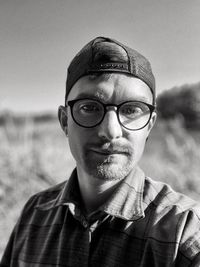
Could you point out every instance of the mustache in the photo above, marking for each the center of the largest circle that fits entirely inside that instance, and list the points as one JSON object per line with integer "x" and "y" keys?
{"x": 110, "y": 147}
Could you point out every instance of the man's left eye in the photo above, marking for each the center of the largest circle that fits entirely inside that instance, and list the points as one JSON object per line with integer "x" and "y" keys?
{"x": 89, "y": 108}
{"x": 131, "y": 110}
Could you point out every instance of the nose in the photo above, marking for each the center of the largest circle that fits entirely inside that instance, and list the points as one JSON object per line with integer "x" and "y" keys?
{"x": 110, "y": 127}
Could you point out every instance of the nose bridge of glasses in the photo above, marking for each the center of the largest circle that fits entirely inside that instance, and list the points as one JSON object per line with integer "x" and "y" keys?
{"x": 110, "y": 126}
{"x": 110, "y": 107}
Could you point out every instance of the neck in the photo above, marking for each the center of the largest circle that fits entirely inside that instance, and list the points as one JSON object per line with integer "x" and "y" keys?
{"x": 94, "y": 192}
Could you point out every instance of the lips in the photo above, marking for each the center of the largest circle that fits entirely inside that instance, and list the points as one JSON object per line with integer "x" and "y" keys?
{"x": 108, "y": 151}
{"x": 109, "y": 148}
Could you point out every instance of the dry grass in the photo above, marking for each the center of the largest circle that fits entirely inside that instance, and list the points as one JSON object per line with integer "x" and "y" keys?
{"x": 173, "y": 156}
{"x": 33, "y": 157}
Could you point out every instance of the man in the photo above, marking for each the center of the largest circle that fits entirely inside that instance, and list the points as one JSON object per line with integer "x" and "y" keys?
{"x": 108, "y": 213}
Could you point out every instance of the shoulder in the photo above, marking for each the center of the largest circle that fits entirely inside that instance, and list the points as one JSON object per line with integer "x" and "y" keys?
{"x": 48, "y": 199}
{"x": 161, "y": 195}
{"x": 45, "y": 197}
{"x": 174, "y": 216}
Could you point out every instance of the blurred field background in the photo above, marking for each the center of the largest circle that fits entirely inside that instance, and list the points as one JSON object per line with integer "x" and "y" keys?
{"x": 34, "y": 153}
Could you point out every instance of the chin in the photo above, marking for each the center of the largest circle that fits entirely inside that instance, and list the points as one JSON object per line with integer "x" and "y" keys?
{"x": 110, "y": 171}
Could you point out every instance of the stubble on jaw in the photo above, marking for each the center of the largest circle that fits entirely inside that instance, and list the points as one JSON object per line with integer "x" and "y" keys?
{"x": 108, "y": 170}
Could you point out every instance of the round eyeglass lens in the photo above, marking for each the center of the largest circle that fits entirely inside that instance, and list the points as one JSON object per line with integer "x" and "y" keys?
{"x": 87, "y": 113}
{"x": 134, "y": 115}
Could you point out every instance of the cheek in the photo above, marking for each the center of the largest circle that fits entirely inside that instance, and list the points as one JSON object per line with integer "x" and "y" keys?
{"x": 77, "y": 137}
{"x": 138, "y": 140}
{"x": 74, "y": 138}
{"x": 74, "y": 131}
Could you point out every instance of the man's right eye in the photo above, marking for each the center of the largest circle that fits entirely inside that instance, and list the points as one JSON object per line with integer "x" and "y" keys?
{"x": 89, "y": 108}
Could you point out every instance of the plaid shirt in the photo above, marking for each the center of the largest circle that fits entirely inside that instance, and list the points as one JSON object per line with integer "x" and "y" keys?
{"x": 144, "y": 223}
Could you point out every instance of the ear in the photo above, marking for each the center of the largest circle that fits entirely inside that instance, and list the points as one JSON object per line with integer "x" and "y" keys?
{"x": 152, "y": 121}
{"x": 63, "y": 118}
{"x": 151, "y": 124}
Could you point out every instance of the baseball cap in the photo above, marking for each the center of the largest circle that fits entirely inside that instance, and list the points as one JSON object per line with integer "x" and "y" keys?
{"x": 104, "y": 54}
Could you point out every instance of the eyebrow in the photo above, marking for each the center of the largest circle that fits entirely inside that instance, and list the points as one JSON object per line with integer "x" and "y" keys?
{"x": 95, "y": 97}
{"x": 141, "y": 98}
{"x": 85, "y": 95}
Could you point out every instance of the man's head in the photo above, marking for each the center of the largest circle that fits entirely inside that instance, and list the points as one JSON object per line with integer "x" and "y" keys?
{"x": 108, "y": 113}
{"x": 105, "y": 55}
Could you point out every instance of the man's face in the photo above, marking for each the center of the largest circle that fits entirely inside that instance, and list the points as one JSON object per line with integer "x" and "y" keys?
{"x": 108, "y": 151}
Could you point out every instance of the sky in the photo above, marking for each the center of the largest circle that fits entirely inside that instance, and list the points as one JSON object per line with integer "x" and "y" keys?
{"x": 39, "y": 38}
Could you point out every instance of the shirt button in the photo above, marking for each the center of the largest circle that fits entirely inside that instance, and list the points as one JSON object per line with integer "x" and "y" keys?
{"x": 78, "y": 213}
{"x": 85, "y": 224}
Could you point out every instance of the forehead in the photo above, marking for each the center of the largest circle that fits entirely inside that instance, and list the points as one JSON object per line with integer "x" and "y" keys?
{"x": 114, "y": 88}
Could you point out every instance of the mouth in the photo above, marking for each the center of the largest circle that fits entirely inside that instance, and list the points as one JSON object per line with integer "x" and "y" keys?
{"x": 109, "y": 149}
{"x": 108, "y": 152}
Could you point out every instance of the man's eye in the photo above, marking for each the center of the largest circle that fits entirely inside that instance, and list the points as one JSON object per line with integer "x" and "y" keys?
{"x": 89, "y": 108}
{"x": 131, "y": 110}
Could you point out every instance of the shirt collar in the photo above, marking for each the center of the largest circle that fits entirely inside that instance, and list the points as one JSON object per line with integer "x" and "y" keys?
{"x": 69, "y": 193}
{"x": 125, "y": 203}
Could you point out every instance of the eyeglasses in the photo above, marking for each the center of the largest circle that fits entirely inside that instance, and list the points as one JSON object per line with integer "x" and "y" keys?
{"x": 132, "y": 115}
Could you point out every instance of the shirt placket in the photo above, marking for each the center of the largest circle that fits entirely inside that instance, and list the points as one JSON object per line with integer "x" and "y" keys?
{"x": 89, "y": 227}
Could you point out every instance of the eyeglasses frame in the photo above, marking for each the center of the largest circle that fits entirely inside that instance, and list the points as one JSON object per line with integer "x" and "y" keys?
{"x": 71, "y": 103}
